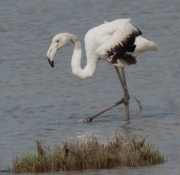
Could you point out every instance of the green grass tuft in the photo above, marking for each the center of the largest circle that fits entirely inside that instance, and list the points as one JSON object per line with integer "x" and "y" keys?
{"x": 88, "y": 155}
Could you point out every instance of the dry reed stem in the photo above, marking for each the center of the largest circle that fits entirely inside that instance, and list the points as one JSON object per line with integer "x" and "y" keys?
{"x": 90, "y": 154}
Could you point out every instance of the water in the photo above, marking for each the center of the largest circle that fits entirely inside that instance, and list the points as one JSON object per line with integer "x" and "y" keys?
{"x": 38, "y": 101}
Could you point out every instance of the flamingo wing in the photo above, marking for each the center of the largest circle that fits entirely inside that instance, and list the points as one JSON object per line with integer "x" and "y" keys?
{"x": 115, "y": 48}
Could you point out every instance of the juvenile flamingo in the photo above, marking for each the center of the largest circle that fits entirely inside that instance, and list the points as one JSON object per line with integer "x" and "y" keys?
{"x": 117, "y": 42}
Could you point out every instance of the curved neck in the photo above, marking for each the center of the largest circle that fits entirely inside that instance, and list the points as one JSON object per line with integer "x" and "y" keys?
{"x": 92, "y": 59}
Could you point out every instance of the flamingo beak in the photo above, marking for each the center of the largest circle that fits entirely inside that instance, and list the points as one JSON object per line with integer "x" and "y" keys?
{"x": 51, "y": 63}
{"x": 51, "y": 54}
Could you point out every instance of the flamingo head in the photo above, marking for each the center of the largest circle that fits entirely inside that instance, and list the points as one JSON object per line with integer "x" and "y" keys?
{"x": 57, "y": 43}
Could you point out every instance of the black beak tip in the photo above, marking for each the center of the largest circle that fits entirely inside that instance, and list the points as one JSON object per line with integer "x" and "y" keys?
{"x": 51, "y": 63}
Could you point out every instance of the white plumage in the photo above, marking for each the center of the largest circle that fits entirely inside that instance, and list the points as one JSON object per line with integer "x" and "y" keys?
{"x": 117, "y": 42}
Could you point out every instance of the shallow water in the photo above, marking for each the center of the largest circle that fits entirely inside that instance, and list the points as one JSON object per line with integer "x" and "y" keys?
{"x": 38, "y": 101}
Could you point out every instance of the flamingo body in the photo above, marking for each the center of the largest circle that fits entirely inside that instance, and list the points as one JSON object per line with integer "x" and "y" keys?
{"x": 117, "y": 42}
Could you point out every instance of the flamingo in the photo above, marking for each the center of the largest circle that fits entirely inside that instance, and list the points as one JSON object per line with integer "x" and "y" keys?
{"x": 117, "y": 42}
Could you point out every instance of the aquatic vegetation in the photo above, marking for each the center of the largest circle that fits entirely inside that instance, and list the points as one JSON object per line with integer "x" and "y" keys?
{"x": 87, "y": 155}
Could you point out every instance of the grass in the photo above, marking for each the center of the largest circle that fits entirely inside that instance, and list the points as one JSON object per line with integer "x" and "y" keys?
{"x": 88, "y": 155}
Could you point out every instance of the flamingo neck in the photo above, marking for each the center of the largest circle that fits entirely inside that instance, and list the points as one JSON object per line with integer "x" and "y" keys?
{"x": 92, "y": 60}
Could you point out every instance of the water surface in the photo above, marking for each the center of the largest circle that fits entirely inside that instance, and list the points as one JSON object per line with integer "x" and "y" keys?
{"x": 38, "y": 101}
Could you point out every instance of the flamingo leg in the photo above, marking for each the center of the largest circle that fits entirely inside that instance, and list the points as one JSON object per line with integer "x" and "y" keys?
{"x": 126, "y": 98}
{"x": 126, "y": 94}
{"x": 90, "y": 119}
